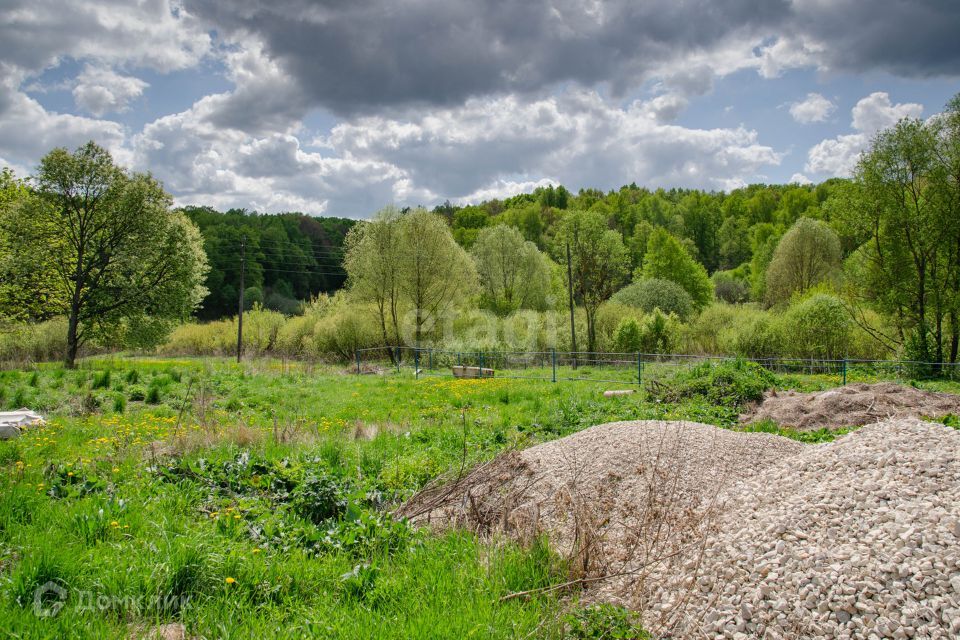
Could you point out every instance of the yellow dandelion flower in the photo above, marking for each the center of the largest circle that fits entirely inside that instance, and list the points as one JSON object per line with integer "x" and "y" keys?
{"x": 256, "y": 551}
{"x": 114, "y": 524}
{"x": 230, "y": 580}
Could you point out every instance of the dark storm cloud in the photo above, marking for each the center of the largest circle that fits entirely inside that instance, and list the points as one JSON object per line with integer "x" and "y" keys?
{"x": 914, "y": 38}
{"x": 369, "y": 54}
{"x": 375, "y": 53}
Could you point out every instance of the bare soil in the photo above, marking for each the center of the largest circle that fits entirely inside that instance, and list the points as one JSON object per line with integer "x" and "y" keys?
{"x": 852, "y": 405}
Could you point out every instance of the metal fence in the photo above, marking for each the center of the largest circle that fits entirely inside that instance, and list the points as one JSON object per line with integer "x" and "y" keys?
{"x": 627, "y": 368}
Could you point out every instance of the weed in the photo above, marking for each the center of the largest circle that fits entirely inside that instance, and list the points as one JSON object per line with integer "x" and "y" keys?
{"x": 603, "y": 622}
{"x": 101, "y": 380}
{"x": 153, "y": 395}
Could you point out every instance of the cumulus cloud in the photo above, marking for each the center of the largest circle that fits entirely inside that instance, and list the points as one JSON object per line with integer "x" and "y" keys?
{"x": 373, "y": 54}
{"x": 482, "y": 149}
{"x": 813, "y": 108}
{"x": 160, "y": 34}
{"x": 28, "y": 131}
{"x": 101, "y": 90}
{"x": 838, "y": 156}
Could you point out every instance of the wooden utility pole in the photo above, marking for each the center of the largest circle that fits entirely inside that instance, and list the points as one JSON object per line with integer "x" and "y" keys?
{"x": 573, "y": 329}
{"x": 243, "y": 267}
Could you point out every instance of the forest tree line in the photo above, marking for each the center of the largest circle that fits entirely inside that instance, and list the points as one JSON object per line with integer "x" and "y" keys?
{"x": 860, "y": 267}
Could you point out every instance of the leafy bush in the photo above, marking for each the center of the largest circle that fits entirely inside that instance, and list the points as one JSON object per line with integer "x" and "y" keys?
{"x": 759, "y": 335}
{"x": 656, "y": 293}
{"x": 817, "y": 327}
{"x": 729, "y": 288}
{"x": 34, "y": 342}
{"x": 729, "y": 382}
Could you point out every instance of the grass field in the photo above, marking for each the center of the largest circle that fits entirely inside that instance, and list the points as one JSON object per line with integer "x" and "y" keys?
{"x": 253, "y": 500}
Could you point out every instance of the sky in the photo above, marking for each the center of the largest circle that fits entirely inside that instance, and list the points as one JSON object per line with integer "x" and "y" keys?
{"x": 340, "y": 107}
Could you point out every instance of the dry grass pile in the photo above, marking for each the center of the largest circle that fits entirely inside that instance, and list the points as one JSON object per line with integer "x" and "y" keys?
{"x": 852, "y": 405}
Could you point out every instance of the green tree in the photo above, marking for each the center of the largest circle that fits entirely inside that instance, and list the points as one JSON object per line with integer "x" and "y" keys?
{"x": 807, "y": 254}
{"x": 908, "y": 264}
{"x": 598, "y": 258}
{"x": 514, "y": 274}
{"x": 435, "y": 272}
{"x": 120, "y": 257}
{"x": 656, "y": 293}
{"x": 734, "y": 239}
{"x": 373, "y": 260}
{"x": 27, "y": 292}
{"x": 667, "y": 258}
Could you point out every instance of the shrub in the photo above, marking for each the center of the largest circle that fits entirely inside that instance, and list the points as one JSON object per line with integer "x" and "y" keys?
{"x": 729, "y": 288}
{"x": 656, "y": 293}
{"x": 731, "y": 383}
{"x": 34, "y": 342}
{"x": 817, "y": 327}
{"x": 714, "y": 330}
{"x": 628, "y": 338}
{"x": 759, "y": 335}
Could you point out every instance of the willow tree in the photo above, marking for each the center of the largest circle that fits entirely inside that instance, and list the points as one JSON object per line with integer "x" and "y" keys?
{"x": 807, "y": 254}
{"x": 434, "y": 271}
{"x": 122, "y": 262}
{"x": 513, "y": 273}
{"x": 372, "y": 261}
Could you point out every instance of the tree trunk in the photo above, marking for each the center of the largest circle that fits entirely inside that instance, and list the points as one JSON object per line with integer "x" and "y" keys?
{"x": 954, "y": 336}
{"x": 591, "y": 335}
{"x": 73, "y": 345}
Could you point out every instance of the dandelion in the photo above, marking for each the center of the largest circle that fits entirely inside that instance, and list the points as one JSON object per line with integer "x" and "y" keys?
{"x": 230, "y": 580}
{"x": 116, "y": 470}
{"x": 256, "y": 551}
{"x": 114, "y": 524}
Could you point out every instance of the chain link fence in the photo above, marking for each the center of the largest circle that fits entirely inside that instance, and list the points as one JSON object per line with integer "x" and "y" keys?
{"x": 626, "y": 368}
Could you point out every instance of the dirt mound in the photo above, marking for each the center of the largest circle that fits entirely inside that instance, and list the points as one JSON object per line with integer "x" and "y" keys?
{"x": 859, "y": 538}
{"x": 615, "y": 499}
{"x": 716, "y": 533}
{"x": 852, "y": 405}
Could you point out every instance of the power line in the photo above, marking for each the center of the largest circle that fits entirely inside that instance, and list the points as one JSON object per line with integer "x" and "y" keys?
{"x": 304, "y": 272}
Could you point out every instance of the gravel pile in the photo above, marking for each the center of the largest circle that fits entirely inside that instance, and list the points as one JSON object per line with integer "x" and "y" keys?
{"x": 859, "y": 538}
{"x": 852, "y": 405}
{"x": 711, "y": 533}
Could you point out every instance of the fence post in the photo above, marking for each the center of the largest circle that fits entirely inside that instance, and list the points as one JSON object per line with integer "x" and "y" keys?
{"x": 396, "y": 354}
{"x": 430, "y": 359}
{"x": 553, "y": 352}
{"x": 357, "y": 353}
{"x": 639, "y": 370}
{"x": 844, "y": 372}
{"x": 416, "y": 363}
{"x": 481, "y": 365}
